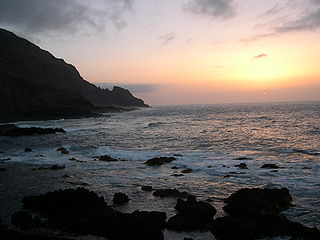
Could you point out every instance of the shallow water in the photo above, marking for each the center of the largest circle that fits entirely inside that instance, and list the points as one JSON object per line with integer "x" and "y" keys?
{"x": 199, "y": 136}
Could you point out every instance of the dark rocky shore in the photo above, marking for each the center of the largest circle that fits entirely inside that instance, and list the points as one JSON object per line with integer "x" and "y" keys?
{"x": 42, "y": 211}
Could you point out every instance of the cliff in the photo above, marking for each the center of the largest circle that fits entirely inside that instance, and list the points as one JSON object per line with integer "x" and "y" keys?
{"x": 36, "y": 85}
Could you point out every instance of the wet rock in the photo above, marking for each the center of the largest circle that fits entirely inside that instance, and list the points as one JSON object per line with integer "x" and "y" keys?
{"x": 5, "y": 159}
{"x": 188, "y": 239}
{"x": 83, "y": 212}
{"x": 270, "y": 165}
{"x": 242, "y": 158}
{"x": 120, "y": 198}
{"x": 170, "y": 193}
{"x": 159, "y": 161}
{"x": 72, "y": 159}
{"x": 106, "y": 158}
{"x": 242, "y": 166}
{"x": 236, "y": 173}
{"x": 254, "y": 214}
{"x": 16, "y": 131}
{"x": 174, "y": 167}
{"x": 188, "y": 170}
{"x": 79, "y": 202}
{"x": 24, "y": 220}
{"x": 3, "y": 169}
{"x": 63, "y": 150}
{"x": 40, "y": 155}
{"x": 53, "y": 167}
{"x": 177, "y": 175}
{"x": 147, "y": 188}
{"x": 227, "y": 176}
{"x": 28, "y": 149}
{"x": 192, "y": 215}
{"x": 79, "y": 183}
{"x": 177, "y": 155}
{"x": 209, "y": 166}
{"x": 254, "y": 201}
{"x": 6, "y": 127}
{"x": 232, "y": 228}
{"x": 274, "y": 171}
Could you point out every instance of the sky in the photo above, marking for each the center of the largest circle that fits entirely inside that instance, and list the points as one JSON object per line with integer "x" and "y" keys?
{"x": 172, "y": 52}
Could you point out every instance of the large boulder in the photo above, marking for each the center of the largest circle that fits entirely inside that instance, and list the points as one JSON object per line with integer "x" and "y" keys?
{"x": 192, "y": 215}
{"x": 82, "y": 211}
{"x": 254, "y": 213}
{"x": 258, "y": 201}
{"x": 120, "y": 198}
{"x": 159, "y": 161}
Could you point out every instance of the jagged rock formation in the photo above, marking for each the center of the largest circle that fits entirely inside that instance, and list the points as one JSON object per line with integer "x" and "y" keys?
{"x": 36, "y": 85}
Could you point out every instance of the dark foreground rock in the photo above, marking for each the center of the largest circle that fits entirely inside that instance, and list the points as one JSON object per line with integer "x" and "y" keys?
{"x": 192, "y": 215}
{"x": 261, "y": 226}
{"x": 14, "y": 131}
{"x": 81, "y": 211}
{"x": 254, "y": 213}
{"x": 120, "y": 198}
{"x": 170, "y": 193}
{"x": 254, "y": 201}
{"x": 159, "y": 161}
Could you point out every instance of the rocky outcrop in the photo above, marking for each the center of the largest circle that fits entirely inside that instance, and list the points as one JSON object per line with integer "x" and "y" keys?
{"x": 254, "y": 214}
{"x": 81, "y": 211}
{"x": 12, "y": 130}
{"x": 157, "y": 161}
{"x": 36, "y": 85}
{"x": 192, "y": 215}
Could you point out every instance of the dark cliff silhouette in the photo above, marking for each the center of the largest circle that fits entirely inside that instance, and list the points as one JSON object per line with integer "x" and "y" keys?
{"x": 36, "y": 85}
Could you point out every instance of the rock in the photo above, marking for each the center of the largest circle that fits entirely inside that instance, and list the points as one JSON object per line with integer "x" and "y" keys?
{"x": 147, "y": 188}
{"x": 242, "y": 166}
{"x": 15, "y": 132}
{"x": 274, "y": 171}
{"x": 174, "y": 167}
{"x": 106, "y": 158}
{"x": 79, "y": 183}
{"x": 40, "y": 155}
{"x": 233, "y": 228}
{"x": 22, "y": 220}
{"x": 177, "y": 155}
{"x": 5, "y": 159}
{"x": 254, "y": 214}
{"x": 227, "y": 176}
{"x": 192, "y": 215}
{"x": 6, "y": 127}
{"x": 83, "y": 212}
{"x": 242, "y": 158}
{"x": 236, "y": 173}
{"x": 28, "y": 149}
{"x": 63, "y": 150}
{"x": 66, "y": 176}
{"x": 248, "y": 201}
{"x": 120, "y": 198}
{"x": 188, "y": 170}
{"x": 3, "y": 169}
{"x": 270, "y": 165}
{"x": 209, "y": 166}
{"x": 188, "y": 239}
{"x": 177, "y": 175}
{"x": 159, "y": 161}
{"x": 53, "y": 167}
{"x": 72, "y": 159}
{"x": 170, "y": 193}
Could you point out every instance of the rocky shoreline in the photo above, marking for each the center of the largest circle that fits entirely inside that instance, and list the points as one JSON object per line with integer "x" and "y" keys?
{"x": 42, "y": 211}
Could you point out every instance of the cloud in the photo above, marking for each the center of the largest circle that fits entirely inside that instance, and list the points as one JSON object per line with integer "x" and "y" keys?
{"x": 167, "y": 38}
{"x": 274, "y": 10}
{"x": 38, "y": 16}
{"x": 310, "y": 21}
{"x": 210, "y": 8}
{"x": 263, "y": 55}
{"x": 134, "y": 88}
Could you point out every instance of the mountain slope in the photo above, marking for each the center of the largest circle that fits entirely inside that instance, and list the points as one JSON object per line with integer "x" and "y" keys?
{"x": 34, "y": 82}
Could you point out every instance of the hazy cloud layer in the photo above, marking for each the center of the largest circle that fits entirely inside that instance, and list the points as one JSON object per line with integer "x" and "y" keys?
{"x": 210, "y": 8}
{"x": 36, "y": 16}
{"x": 167, "y": 38}
{"x": 311, "y": 21}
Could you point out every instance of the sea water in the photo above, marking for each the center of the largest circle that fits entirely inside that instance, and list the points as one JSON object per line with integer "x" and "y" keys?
{"x": 206, "y": 138}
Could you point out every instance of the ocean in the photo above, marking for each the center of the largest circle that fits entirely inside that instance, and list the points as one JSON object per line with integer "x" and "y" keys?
{"x": 210, "y": 139}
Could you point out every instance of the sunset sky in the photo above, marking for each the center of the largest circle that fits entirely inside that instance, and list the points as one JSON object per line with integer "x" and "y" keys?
{"x": 182, "y": 51}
